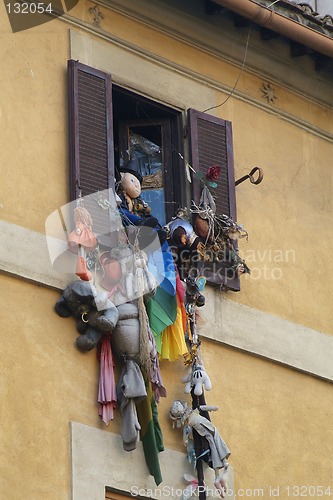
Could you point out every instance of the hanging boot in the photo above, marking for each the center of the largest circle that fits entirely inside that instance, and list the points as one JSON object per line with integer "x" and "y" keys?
{"x": 81, "y": 269}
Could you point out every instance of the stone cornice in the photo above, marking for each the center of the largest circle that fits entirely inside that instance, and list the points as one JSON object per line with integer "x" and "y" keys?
{"x": 261, "y": 62}
{"x": 79, "y": 51}
{"x": 200, "y": 33}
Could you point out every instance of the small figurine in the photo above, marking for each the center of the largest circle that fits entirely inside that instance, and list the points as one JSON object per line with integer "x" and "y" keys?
{"x": 194, "y": 287}
{"x": 81, "y": 239}
{"x": 219, "y": 452}
{"x": 181, "y": 232}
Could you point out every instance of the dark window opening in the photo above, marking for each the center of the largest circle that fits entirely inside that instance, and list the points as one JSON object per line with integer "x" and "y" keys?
{"x": 150, "y": 132}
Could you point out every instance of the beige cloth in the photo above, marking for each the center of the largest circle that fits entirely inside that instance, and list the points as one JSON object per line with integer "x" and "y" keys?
{"x": 130, "y": 390}
{"x": 218, "y": 449}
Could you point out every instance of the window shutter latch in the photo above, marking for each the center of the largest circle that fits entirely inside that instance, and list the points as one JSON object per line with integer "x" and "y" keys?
{"x": 250, "y": 176}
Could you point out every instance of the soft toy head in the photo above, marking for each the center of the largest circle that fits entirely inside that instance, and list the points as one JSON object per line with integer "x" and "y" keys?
{"x": 179, "y": 411}
{"x": 179, "y": 236}
{"x": 130, "y": 184}
{"x": 76, "y": 299}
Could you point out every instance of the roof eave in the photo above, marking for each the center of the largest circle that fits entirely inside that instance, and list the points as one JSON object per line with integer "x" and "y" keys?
{"x": 285, "y": 26}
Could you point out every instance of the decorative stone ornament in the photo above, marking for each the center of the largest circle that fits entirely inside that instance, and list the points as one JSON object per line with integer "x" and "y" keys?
{"x": 268, "y": 93}
{"x": 98, "y": 16}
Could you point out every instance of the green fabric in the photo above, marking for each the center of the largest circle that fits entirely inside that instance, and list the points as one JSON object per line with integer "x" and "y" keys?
{"x": 150, "y": 434}
{"x": 157, "y": 427}
{"x": 161, "y": 310}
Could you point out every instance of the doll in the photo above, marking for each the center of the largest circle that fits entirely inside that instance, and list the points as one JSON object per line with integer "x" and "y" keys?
{"x": 134, "y": 210}
{"x": 219, "y": 452}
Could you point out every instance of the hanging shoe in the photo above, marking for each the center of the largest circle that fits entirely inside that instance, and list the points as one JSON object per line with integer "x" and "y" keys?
{"x": 81, "y": 269}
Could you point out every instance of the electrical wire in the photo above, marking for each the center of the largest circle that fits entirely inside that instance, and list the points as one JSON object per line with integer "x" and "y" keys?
{"x": 238, "y": 77}
{"x": 242, "y": 68}
{"x": 138, "y": 106}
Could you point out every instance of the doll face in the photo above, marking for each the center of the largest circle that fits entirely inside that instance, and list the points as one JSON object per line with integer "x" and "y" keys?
{"x": 131, "y": 185}
{"x": 177, "y": 409}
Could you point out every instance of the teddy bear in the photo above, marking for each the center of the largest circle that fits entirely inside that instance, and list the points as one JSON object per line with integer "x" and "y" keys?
{"x": 101, "y": 324}
{"x": 95, "y": 313}
{"x": 198, "y": 379}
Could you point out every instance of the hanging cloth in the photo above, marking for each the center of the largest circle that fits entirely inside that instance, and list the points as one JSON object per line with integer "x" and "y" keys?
{"x": 107, "y": 397}
{"x": 130, "y": 390}
{"x": 154, "y": 371}
{"x": 173, "y": 336}
{"x": 150, "y": 433}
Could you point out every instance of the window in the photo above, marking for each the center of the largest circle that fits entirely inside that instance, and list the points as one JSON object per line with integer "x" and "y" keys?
{"x": 109, "y": 124}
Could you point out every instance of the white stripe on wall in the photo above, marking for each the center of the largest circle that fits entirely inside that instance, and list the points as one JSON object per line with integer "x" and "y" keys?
{"x": 24, "y": 253}
{"x": 267, "y": 335}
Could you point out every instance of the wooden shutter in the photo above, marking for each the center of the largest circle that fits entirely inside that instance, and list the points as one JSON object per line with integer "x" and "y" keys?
{"x": 90, "y": 137}
{"x": 211, "y": 144}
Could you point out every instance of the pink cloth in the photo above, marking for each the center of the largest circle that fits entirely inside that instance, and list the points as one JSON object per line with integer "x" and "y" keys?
{"x": 83, "y": 236}
{"x": 107, "y": 397}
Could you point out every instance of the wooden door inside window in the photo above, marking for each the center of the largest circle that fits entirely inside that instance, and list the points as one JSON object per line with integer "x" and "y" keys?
{"x": 149, "y": 143}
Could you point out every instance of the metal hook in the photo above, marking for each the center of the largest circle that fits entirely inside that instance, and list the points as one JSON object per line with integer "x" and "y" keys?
{"x": 83, "y": 317}
{"x": 250, "y": 176}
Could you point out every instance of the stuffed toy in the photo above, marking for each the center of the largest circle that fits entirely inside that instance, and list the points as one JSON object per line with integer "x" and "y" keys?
{"x": 125, "y": 273}
{"x": 134, "y": 210}
{"x": 101, "y": 324}
{"x": 183, "y": 241}
{"x": 194, "y": 287}
{"x": 125, "y": 338}
{"x": 198, "y": 379}
{"x": 95, "y": 313}
{"x": 183, "y": 415}
{"x": 181, "y": 232}
{"x": 82, "y": 239}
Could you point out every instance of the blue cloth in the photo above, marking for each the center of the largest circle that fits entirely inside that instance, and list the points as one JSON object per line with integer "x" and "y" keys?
{"x": 162, "y": 266}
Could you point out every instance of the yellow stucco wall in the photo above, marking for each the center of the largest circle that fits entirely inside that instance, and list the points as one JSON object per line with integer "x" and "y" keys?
{"x": 33, "y": 121}
{"x": 277, "y": 422}
{"x": 288, "y": 216}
